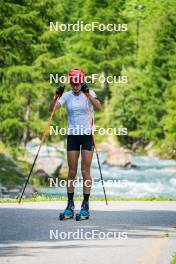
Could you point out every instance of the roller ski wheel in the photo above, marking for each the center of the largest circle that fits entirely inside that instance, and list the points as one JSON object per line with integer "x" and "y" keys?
{"x": 84, "y": 213}
{"x": 68, "y": 213}
{"x": 80, "y": 217}
{"x": 64, "y": 216}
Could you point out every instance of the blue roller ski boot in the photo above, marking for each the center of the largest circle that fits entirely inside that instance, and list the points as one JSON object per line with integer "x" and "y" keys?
{"x": 69, "y": 211}
{"x": 84, "y": 212}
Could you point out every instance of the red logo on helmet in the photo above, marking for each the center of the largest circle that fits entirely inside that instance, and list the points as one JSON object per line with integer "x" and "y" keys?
{"x": 76, "y": 77}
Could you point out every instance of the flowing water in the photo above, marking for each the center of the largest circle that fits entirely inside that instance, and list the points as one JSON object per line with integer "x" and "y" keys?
{"x": 148, "y": 177}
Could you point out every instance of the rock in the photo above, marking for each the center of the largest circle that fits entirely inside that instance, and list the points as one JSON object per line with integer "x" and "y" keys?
{"x": 45, "y": 166}
{"x": 29, "y": 190}
{"x": 45, "y": 151}
{"x": 14, "y": 191}
{"x": 119, "y": 157}
{"x": 49, "y": 160}
{"x": 135, "y": 145}
{"x": 41, "y": 173}
{"x": 4, "y": 190}
{"x": 49, "y": 164}
{"x": 116, "y": 155}
{"x": 149, "y": 146}
{"x": 128, "y": 165}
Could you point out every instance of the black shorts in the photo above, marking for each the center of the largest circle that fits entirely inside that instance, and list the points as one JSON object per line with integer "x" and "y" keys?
{"x": 77, "y": 142}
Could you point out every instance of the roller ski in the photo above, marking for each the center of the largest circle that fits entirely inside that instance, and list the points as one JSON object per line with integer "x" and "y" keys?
{"x": 84, "y": 212}
{"x": 69, "y": 211}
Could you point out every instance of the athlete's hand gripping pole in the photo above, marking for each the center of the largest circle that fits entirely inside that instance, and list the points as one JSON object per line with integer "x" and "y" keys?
{"x": 58, "y": 94}
{"x": 86, "y": 92}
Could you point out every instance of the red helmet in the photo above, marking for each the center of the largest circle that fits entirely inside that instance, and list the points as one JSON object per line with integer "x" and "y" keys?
{"x": 76, "y": 77}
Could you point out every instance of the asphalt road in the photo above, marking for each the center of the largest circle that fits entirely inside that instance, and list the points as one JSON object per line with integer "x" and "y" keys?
{"x": 122, "y": 232}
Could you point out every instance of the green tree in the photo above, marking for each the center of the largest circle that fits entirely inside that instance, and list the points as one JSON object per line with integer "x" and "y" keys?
{"x": 26, "y": 54}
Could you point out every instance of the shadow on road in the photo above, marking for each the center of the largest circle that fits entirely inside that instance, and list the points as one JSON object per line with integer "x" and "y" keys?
{"x": 34, "y": 225}
{"x": 22, "y": 229}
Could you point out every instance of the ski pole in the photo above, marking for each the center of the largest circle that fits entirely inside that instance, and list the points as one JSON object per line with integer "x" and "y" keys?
{"x": 42, "y": 140}
{"x": 96, "y": 150}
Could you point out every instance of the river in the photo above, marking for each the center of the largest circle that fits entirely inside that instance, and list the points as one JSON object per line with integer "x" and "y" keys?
{"x": 149, "y": 177}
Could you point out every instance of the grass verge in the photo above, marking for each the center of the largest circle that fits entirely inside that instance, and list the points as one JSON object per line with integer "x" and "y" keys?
{"x": 61, "y": 198}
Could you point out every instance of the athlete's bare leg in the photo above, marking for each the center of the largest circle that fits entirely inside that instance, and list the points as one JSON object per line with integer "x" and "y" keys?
{"x": 86, "y": 159}
{"x": 72, "y": 159}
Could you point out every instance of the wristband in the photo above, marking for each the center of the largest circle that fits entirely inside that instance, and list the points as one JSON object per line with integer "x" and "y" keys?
{"x": 87, "y": 94}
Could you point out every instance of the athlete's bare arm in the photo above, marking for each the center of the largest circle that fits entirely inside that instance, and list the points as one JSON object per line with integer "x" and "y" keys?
{"x": 95, "y": 102}
{"x": 53, "y": 103}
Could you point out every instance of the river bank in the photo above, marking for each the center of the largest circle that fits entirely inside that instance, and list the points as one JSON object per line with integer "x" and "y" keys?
{"x": 126, "y": 174}
{"x": 58, "y": 199}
